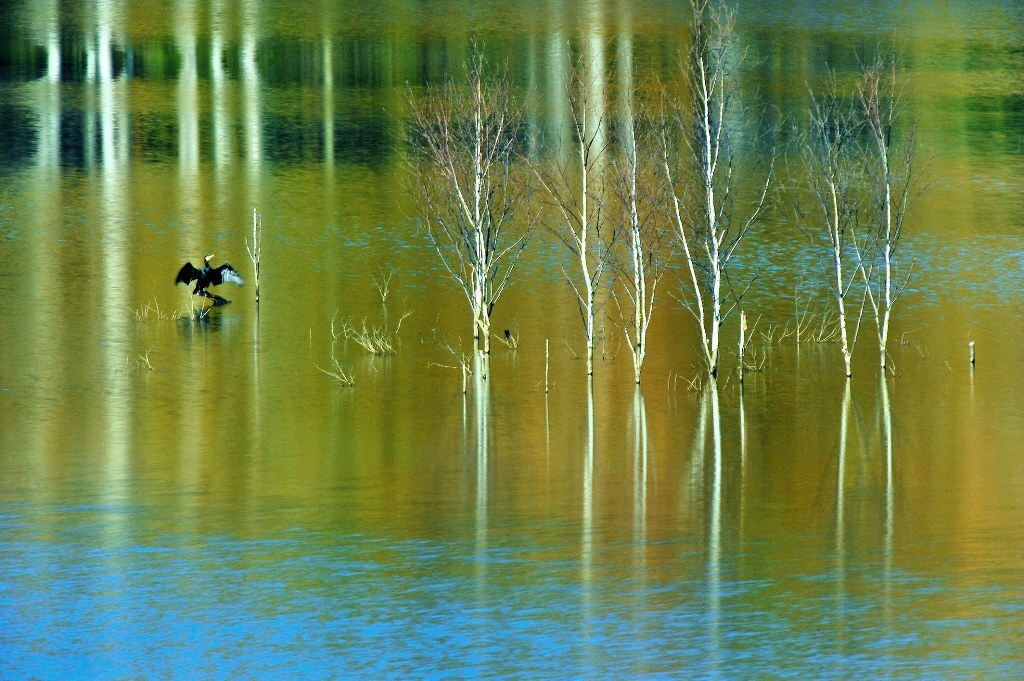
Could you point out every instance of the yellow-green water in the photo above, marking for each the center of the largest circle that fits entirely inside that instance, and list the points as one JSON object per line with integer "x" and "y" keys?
{"x": 199, "y": 499}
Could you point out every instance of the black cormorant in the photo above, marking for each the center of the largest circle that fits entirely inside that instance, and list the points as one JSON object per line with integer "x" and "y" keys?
{"x": 208, "y": 276}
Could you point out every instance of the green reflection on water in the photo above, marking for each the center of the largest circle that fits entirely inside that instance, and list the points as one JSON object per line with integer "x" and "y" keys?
{"x": 796, "y": 524}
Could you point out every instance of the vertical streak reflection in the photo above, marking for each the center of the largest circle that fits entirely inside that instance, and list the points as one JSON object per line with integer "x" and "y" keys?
{"x": 639, "y": 475}
{"x": 596, "y": 77}
{"x": 48, "y": 104}
{"x": 221, "y": 133}
{"x": 840, "y": 558}
{"x": 889, "y": 494}
{"x": 115, "y": 255}
{"x": 695, "y": 478}
{"x": 328, "y": 67}
{"x": 251, "y": 100}
{"x": 48, "y": 152}
{"x": 188, "y": 98}
{"x": 43, "y": 250}
{"x": 481, "y": 393}
{"x": 714, "y": 570}
{"x": 743, "y": 460}
{"x": 328, "y": 124}
{"x": 640, "y": 507}
{"x": 559, "y": 66}
{"x": 624, "y": 63}
{"x": 188, "y": 198}
{"x": 52, "y": 39}
{"x": 587, "y": 529}
{"x": 532, "y": 104}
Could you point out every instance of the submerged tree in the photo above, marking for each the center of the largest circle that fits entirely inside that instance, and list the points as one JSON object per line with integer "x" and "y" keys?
{"x": 646, "y": 240}
{"x": 705, "y": 177}
{"x": 833, "y": 163}
{"x": 575, "y": 181}
{"x": 891, "y": 181}
{"x": 465, "y": 171}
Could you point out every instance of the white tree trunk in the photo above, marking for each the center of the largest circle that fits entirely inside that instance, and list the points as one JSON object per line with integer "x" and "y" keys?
{"x": 588, "y": 285}
{"x": 837, "y": 261}
{"x": 883, "y": 332}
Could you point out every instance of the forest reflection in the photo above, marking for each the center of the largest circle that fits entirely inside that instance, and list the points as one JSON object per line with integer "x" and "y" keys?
{"x": 784, "y": 522}
{"x": 248, "y": 96}
{"x": 245, "y": 95}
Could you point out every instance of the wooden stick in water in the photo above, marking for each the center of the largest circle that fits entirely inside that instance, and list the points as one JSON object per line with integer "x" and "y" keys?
{"x": 546, "y": 355}
{"x": 743, "y": 331}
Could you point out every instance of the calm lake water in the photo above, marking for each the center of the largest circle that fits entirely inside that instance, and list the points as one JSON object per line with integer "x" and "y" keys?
{"x": 197, "y": 499}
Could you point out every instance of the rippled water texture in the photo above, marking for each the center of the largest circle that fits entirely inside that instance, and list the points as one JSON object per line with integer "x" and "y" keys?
{"x": 196, "y": 498}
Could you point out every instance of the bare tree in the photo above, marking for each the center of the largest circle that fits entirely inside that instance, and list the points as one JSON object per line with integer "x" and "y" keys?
{"x": 466, "y": 172}
{"x": 833, "y": 163}
{"x": 646, "y": 240}
{"x": 576, "y": 184}
{"x": 892, "y": 181}
{"x": 705, "y": 177}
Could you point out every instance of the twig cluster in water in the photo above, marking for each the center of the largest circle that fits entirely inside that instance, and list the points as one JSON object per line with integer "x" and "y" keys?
{"x": 382, "y": 283}
{"x": 149, "y": 311}
{"x": 377, "y": 340}
{"x": 345, "y": 377}
{"x": 139, "y": 362}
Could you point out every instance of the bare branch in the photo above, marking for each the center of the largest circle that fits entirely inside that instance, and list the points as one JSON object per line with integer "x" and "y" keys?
{"x": 704, "y": 175}
{"x": 468, "y": 176}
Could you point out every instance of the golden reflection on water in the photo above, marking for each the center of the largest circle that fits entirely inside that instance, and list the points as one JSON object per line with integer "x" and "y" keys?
{"x": 795, "y": 505}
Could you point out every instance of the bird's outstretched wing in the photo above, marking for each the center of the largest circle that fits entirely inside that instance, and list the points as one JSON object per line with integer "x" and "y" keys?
{"x": 230, "y": 274}
{"x": 187, "y": 274}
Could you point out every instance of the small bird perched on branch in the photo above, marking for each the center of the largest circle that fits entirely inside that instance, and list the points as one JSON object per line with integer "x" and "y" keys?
{"x": 208, "y": 276}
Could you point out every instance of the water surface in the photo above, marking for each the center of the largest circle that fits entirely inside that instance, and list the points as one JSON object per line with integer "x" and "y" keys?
{"x": 183, "y": 498}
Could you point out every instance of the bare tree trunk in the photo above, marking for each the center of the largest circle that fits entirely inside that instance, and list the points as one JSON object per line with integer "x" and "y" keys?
{"x": 690, "y": 256}
{"x": 646, "y": 245}
{"x": 577, "y": 193}
{"x": 641, "y": 300}
{"x": 711, "y": 135}
{"x": 465, "y": 169}
{"x": 584, "y": 236}
{"x": 887, "y": 250}
{"x": 893, "y": 180}
{"x": 844, "y": 336}
{"x": 708, "y": 230}
{"x": 832, "y": 162}
{"x": 836, "y": 229}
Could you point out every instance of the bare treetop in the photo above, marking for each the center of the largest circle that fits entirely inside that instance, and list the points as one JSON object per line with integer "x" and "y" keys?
{"x": 476, "y": 203}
